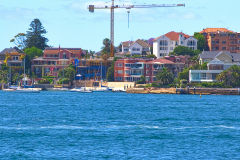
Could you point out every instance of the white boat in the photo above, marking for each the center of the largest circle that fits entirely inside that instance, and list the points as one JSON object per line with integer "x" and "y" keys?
{"x": 101, "y": 89}
{"x": 9, "y": 90}
{"x": 82, "y": 90}
{"x": 58, "y": 89}
{"x": 28, "y": 90}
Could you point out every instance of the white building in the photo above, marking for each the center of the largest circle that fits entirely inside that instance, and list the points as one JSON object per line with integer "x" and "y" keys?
{"x": 165, "y": 44}
{"x": 139, "y": 47}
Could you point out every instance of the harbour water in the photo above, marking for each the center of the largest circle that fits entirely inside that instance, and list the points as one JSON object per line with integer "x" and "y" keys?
{"x": 65, "y": 125}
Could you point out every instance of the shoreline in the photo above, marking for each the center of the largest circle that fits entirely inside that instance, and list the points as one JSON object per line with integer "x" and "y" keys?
{"x": 192, "y": 91}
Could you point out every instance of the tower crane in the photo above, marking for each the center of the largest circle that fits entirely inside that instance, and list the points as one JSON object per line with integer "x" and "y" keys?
{"x": 112, "y": 7}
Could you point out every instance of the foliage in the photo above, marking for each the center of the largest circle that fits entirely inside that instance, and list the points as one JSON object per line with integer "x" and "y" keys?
{"x": 142, "y": 80}
{"x": 19, "y": 40}
{"x": 136, "y": 56}
{"x": 106, "y": 45}
{"x": 209, "y": 85}
{"x": 184, "y": 74}
{"x": 165, "y": 77}
{"x": 17, "y": 77}
{"x": 45, "y": 81}
{"x": 202, "y": 45}
{"x": 68, "y": 72}
{"x": 35, "y": 35}
{"x": 182, "y": 50}
{"x": 110, "y": 73}
{"x": 30, "y": 54}
{"x": 151, "y": 56}
{"x": 230, "y": 77}
{"x": 3, "y": 76}
{"x": 63, "y": 81}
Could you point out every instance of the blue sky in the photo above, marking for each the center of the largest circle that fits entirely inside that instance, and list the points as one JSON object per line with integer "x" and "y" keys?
{"x": 69, "y": 23}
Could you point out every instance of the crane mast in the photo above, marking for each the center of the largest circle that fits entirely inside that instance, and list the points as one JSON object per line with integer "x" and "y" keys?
{"x": 113, "y": 6}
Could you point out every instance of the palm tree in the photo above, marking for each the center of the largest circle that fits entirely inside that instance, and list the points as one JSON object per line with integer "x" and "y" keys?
{"x": 165, "y": 77}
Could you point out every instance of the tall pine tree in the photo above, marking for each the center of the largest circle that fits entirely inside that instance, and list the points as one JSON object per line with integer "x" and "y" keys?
{"x": 35, "y": 35}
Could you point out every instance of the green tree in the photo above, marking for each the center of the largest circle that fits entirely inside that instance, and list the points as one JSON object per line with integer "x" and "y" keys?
{"x": 230, "y": 77}
{"x": 3, "y": 76}
{"x": 202, "y": 45}
{"x": 106, "y": 46}
{"x": 142, "y": 80}
{"x": 31, "y": 53}
{"x": 151, "y": 56}
{"x": 165, "y": 77}
{"x": 19, "y": 40}
{"x": 68, "y": 73}
{"x": 110, "y": 73}
{"x": 182, "y": 50}
{"x": 184, "y": 74}
{"x": 35, "y": 35}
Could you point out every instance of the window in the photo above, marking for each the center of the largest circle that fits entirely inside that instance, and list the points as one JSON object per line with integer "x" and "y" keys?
{"x": 15, "y": 58}
{"x": 127, "y": 72}
{"x": 163, "y": 48}
{"x": 163, "y": 42}
{"x": 191, "y": 43}
{"x": 224, "y": 42}
{"x": 127, "y": 65}
{"x": 223, "y": 48}
{"x": 119, "y": 64}
{"x": 64, "y": 56}
{"x": 119, "y": 71}
{"x": 203, "y": 76}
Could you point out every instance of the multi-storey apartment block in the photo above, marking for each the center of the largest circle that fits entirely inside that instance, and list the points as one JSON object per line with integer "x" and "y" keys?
{"x": 222, "y": 39}
{"x": 55, "y": 59}
{"x": 131, "y": 69}
{"x": 138, "y": 47}
{"x": 165, "y": 44}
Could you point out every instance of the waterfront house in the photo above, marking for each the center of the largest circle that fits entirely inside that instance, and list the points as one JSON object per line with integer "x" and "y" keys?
{"x": 222, "y": 39}
{"x": 165, "y": 44}
{"x": 138, "y": 47}
{"x": 226, "y": 56}
{"x": 54, "y": 59}
{"x": 132, "y": 69}
{"x": 220, "y": 63}
{"x": 6, "y": 51}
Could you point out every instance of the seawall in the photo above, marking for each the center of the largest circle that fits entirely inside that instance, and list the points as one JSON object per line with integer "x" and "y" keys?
{"x": 199, "y": 91}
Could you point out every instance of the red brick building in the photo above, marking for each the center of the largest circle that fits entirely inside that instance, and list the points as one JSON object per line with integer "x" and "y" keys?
{"x": 130, "y": 69}
{"x": 222, "y": 39}
{"x": 55, "y": 59}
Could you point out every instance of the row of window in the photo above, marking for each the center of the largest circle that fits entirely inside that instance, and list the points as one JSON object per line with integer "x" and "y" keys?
{"x": 225, "y": 48}
{"x": 224, "y": 42}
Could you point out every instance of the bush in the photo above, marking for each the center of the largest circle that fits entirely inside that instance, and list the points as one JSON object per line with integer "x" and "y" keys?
{"x": 64, "y": 81}
{"x": 44, "y": 81}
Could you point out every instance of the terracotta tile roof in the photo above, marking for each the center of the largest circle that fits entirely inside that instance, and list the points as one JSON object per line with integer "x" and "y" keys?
{"x": 212, "y": 30}
{"x": 162, "y": 60}
{"x": 56, "y": 50}
{"x": 15, "y": 54}
{"x": 174, "y": 36}
{"x": 142, "y": 43}
{"x": 8, "y": 50}
{"x": 127, "y": 43}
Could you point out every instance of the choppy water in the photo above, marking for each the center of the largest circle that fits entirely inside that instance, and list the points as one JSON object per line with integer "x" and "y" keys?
{"x": 64, "y": 125}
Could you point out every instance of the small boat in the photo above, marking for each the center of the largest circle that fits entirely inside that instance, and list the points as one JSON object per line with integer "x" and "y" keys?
{"x": 102, "y": 89}
{"x": 9, "y": 90}
{"x": 58, "y": 89}
{"x": 82, "y": 90}
{"x": 28, "y": 90}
